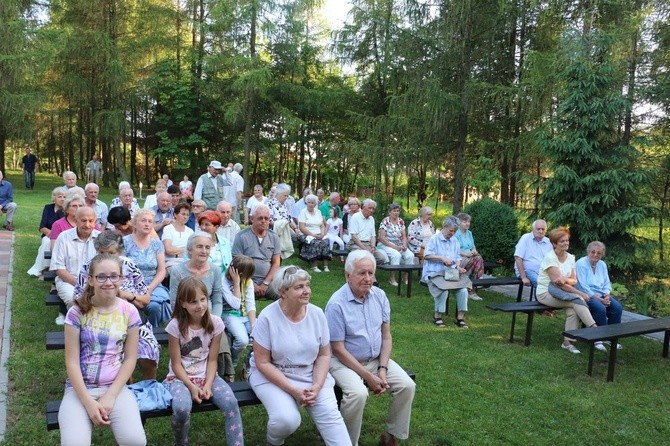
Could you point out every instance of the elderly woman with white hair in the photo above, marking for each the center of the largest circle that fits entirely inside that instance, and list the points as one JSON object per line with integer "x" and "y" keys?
{"x": 69, "y": 179}
{"x": 313, "y": 231}
{"x": 50, "y": 214}
{"x": 420, "y": 230}
{"x": 442, "y": 272}
{"x": 593, "y": 279}
{"x": 280, "y": 216}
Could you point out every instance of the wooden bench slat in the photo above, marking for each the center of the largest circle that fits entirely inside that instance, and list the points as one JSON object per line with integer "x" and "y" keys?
{"x": 52, "y": 300}
{"x": 49, "y": 276}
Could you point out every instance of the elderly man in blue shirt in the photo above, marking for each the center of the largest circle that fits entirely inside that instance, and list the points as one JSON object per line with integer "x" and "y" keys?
{"x": 443, "y": 253}
{"x": 359, "y": 317}
{"x": 7, "y": 205}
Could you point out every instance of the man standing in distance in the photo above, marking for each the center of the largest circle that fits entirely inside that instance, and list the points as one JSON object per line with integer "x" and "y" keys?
{"x": 359, "y": 318}
{"x": 28, "y": 166}
{"x": 210, "y": 186}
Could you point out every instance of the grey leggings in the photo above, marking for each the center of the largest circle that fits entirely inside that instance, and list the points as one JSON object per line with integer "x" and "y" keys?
{"x": 222, "y": 397}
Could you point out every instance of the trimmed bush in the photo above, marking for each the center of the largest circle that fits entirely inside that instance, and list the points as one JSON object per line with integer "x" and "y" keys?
{"x": 494, "y": 228}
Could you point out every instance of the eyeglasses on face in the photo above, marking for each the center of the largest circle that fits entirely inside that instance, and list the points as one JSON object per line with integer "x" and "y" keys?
{"x": 114, "y": 278}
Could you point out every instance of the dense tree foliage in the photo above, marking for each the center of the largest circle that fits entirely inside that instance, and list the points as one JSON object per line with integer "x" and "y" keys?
{"x": 439, "y": 99}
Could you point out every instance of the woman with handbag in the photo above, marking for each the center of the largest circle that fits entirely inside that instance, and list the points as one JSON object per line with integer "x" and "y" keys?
{"x": 442, "y": 272}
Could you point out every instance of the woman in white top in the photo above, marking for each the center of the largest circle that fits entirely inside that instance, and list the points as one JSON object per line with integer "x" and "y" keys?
{"x": 313, "y": 231}
{"x": 557, "y": 285}
{"x": 176, "y": 235}
{"x": 253, "y": 201}
{"x": 290, "y": 362}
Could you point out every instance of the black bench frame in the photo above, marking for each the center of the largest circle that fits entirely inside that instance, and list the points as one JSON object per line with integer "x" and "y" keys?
{"x": 613, "y": 333}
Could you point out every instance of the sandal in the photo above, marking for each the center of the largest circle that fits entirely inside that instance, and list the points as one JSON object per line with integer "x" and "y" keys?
{"x": 438, "y": 321}
{"x": 460, "y": 323}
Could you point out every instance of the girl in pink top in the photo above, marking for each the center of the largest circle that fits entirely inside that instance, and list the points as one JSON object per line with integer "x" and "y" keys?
{"x": 101, "y": 338}
{"x": 195, "y": 336}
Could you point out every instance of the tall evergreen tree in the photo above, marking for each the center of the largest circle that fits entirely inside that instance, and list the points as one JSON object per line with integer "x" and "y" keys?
{"x": 594, "y": 183}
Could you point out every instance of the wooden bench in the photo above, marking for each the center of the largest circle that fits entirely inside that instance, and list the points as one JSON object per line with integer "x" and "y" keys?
{"x": 55, "y": 340}
{"x": 530, "y": 308}
{"x": 242, "y": 390}
{"x": 49, "y": 276}
{"x": 404, "y": 269}
{"x": 339, "y": 252}
{"x": 613, "y": 333}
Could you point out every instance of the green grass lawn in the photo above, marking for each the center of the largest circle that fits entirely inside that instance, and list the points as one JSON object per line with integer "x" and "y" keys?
{"x": 473, "y": 387}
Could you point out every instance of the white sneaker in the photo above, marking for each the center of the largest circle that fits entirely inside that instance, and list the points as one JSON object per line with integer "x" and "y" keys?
{"x": 571, "y": 348}
{"x": 600, "y": 346}
{"x": 325, "y": 269}
{"x": 60, "y": 320}
{"x": 474, "y": 296}
{"x": 316, "y": 269}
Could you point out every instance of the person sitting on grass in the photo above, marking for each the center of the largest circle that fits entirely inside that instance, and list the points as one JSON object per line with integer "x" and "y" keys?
{"x": 593, "y": 279}
{"x": 472, "y": 260}
{"x": 443, "y": 252}
{"x": 101, "y": 338}
{"x": 557, "y": 285}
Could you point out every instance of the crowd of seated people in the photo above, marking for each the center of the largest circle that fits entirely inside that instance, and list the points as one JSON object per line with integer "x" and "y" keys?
{"x": 175, "y": 237}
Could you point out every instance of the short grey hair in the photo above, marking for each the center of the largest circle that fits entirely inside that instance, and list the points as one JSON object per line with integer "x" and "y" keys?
{"x": 60, "y": 190}
{"x": 307, "y": 191}
{"x": 70, "y": 198}
{"x": 124, "y": 185}
{"x": 238, "y": 167}
{"x": 109, "y": 240}
{"x": 283, "y": 188}
{"x": 191, "y": 240}
{"x": 355, "y": 257}
{"x": 69, "y": 173}
{"x": 425, "y": 210}
{"x": 75, "y": 190}
{"x": 259, "y": 206}
{"x": 311, "y": 198}
{"x": 450, "y": 222}
{"x": 287, "y": 276}
{"x": 595, "y": 244}
{"x": 369, "y": 202}
{"x": 91, "y": 186}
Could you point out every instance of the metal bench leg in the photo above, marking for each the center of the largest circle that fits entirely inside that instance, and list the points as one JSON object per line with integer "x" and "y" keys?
{"x": 399, "y": 286}
{"x": 612, "y": 359}
{"x": 666, "y": 342}
{"x": 529, "y": 328}
{"x": 511, "y": 332}
{"x": 409, "y": 284}
{"x": 519, "y": 294}
{"x": 589, "y": 371}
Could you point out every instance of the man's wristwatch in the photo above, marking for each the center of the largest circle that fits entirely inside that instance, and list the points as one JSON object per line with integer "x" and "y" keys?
{"x": 382, "y": 367}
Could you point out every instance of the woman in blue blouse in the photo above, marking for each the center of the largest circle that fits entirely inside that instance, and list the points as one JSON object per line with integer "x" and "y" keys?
{"x": 593, "y": 279}
{"x": 472, "y": 260}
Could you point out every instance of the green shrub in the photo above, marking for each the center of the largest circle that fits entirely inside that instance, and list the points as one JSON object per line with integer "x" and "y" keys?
{"x": 494, "y": 228}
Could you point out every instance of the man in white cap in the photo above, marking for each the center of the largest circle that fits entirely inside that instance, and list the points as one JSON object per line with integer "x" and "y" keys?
{"x": 210, "y": 185}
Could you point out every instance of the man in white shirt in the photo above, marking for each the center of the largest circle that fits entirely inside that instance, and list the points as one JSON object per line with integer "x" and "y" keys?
{"x": 164, "y": 213}
{"x": 152, "y": 200}
{"x": 92, "y": 191}
{"x": 229, "y": 228}
{"x": 72, "y": 250}
{"x": 363, "y": 232}
{"x": 234, "y": 193}
{"x": 529, "y": 253}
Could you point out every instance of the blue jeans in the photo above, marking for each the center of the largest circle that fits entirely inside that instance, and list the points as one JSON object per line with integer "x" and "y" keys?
{"x": 605, "y": 315}
{"x": 159, "y": 310}
{"x": 29, "y": 178}
{"x": 239, "y": 328}
{"x": 532, "y": 276}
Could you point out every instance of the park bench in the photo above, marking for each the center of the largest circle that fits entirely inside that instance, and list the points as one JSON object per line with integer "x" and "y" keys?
{"x": 243, "y": 393}
{"x": 613, "y": 333}
{"x": 529, "y": 307}
{"x": 403, "y": 269}
{"x": 49, "y": 276}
